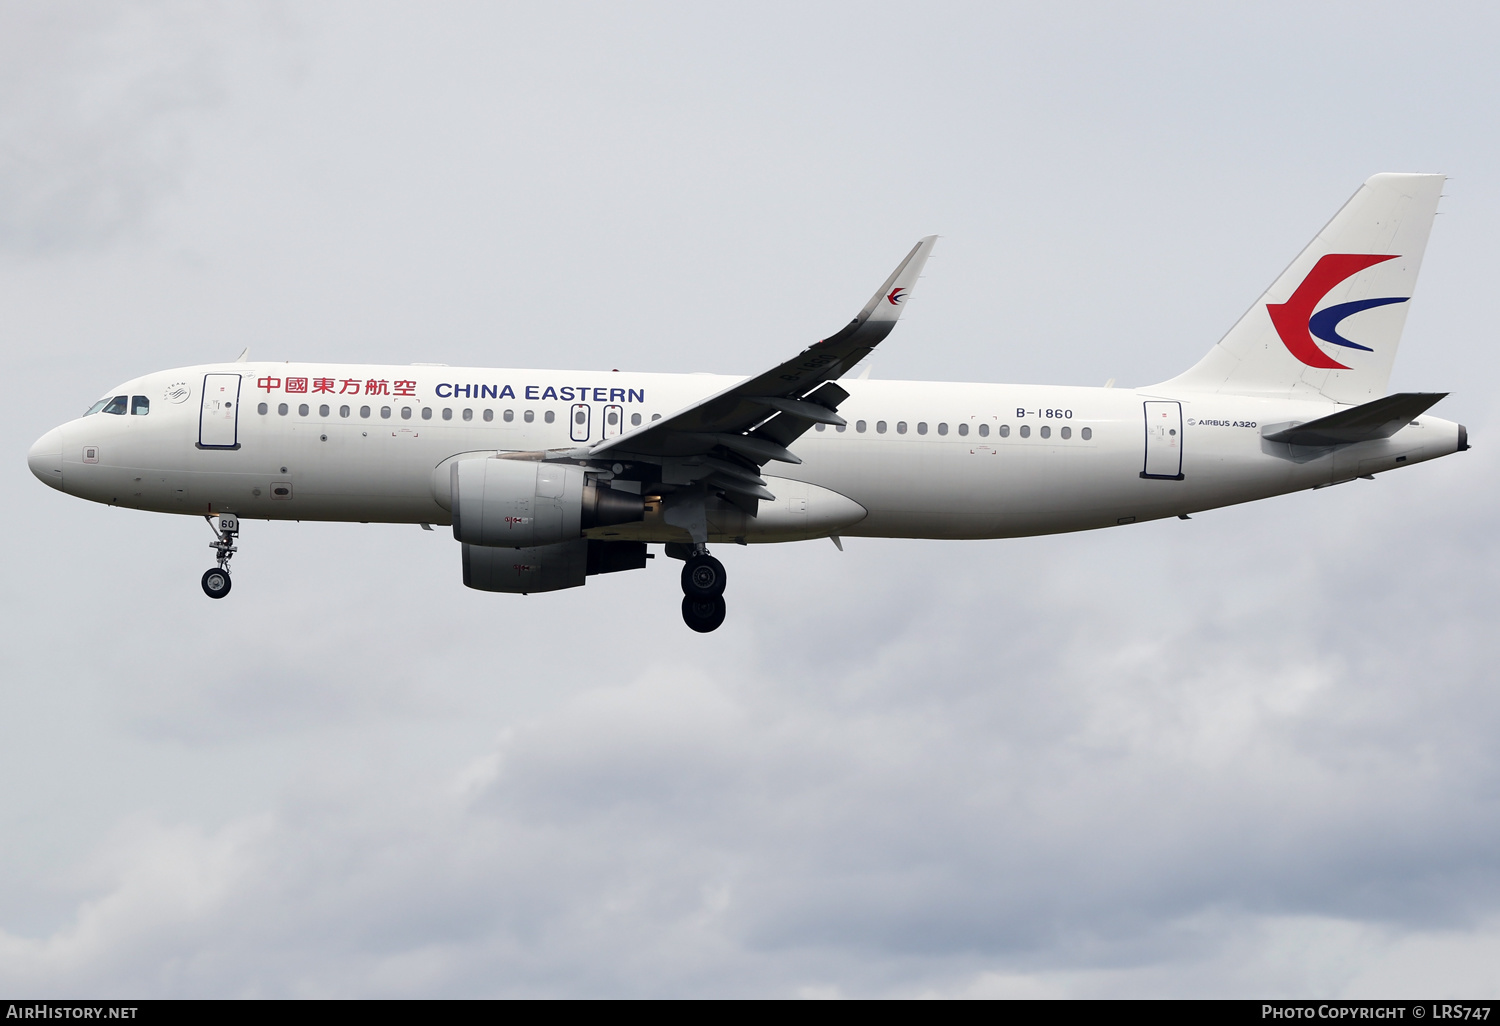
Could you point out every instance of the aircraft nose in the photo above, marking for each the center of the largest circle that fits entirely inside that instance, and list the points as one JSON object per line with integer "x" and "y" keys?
{"x": 45, "y": 459}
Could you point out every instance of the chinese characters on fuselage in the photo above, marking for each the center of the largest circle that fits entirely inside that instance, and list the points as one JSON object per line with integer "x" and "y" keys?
{"x": 449, "y": 390}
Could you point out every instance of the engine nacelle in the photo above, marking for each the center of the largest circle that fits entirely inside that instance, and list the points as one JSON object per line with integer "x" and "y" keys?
{"x": 532, "y": 503}
{"x": 547, "y": 567}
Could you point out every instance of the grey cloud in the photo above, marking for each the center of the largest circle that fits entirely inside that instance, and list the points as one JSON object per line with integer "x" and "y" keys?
{"x": 98, "y": 104}
{"x": 1246, "y": 754}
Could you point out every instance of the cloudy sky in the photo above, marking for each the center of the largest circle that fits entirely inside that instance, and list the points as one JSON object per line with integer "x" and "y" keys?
{"x": 1248, "y": 754}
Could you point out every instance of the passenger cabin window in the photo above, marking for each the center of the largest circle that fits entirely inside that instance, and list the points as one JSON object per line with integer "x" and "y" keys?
{"x": 963, "y": 429}
{"x": 1025, "y": 431}
{"x": 635, "y": 420}
{"x": 489, "y": 415}
{"x": 447, "y": 413}
{"x": 281, "y": 408}
{"x": 427, "y": 413}
{"x": 364, "y": 411}
{"x": 1087, "y": 433}
{"x": 343, "y": 411}
{"x": 117, "y": 405}
{"x": 921, "y": 427}
{"x": 529, "y": 416}
{"x": 656, "y": 416}
{"x": 984, "y": 431}
{"x": 385, "y": 413}
{"x": 820, "y": 427}
{"x": 323, "y": 411}
{"x": 468, "y": 414}
{"x": 406, "y": 413}
{"x": 139, "y": 406}
{"x": 1046, "y": 431}
{"x": 262, "y": 409}
{"x": 942, "y": 427}
{"x": 1067, "y": 432}
{"x": 303, "y": 411}
{"x": 508, "y": 416}
{"x": 1004, "y": 430}
{"x": 859, "y": 426}
{"x": 549, "y": 416}
{"x": 880, "y": 427}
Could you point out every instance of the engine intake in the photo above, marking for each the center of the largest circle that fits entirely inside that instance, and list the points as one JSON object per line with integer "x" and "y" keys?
{"x": 527, "y": 503}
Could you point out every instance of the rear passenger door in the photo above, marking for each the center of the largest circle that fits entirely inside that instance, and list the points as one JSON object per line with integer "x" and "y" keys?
{"x": 1163, "y": 441}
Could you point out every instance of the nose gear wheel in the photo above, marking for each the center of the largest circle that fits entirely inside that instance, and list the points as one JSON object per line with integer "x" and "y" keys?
{"x": 216, "y": 583}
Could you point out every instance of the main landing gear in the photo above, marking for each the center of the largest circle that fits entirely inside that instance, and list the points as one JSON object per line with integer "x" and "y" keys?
{"x": 703, "y": 591}
{"x": 216, "y": 581}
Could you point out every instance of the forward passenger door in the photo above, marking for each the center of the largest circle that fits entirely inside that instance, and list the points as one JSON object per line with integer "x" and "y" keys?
{"x": 219, "y": 416}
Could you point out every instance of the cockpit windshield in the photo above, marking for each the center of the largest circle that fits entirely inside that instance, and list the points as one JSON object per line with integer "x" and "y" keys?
{"x": 120, "y": 405}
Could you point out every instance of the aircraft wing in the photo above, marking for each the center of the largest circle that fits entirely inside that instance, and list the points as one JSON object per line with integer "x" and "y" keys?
{"x": 727, "y": 437}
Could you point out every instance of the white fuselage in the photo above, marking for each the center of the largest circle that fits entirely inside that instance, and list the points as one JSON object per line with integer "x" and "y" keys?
{"x": 922, "y": 459}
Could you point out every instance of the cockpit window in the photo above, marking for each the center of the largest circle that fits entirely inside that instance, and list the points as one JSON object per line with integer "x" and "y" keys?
{"x": 139, "y": 406}
{"x": 117, "y": 405}
{"x": 97, "y": 407}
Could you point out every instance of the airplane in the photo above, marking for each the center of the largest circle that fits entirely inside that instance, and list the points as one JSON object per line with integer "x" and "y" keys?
{"x": 550, "y": 477}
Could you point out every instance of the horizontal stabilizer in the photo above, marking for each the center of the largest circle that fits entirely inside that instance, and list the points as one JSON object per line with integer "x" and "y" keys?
{"x": 1379, "y": 419}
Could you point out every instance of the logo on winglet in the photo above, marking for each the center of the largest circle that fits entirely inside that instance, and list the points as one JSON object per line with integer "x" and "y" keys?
{"x": 1297, "y": 324}
{"x": 896, "y": 296}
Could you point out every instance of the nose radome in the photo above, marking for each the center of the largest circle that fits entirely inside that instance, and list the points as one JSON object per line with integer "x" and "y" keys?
{"x": 45, "y": 459}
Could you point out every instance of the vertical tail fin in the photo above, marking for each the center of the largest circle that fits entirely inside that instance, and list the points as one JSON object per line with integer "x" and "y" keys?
{"x": 1303, "y": 338}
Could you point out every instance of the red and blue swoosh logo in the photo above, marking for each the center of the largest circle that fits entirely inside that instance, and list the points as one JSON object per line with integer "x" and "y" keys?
{"x": 1297, "y": 324}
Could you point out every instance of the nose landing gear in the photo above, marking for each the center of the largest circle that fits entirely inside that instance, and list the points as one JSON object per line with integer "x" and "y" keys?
{"x": 216, "y": 581}
{"x": 703, "y": 583}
